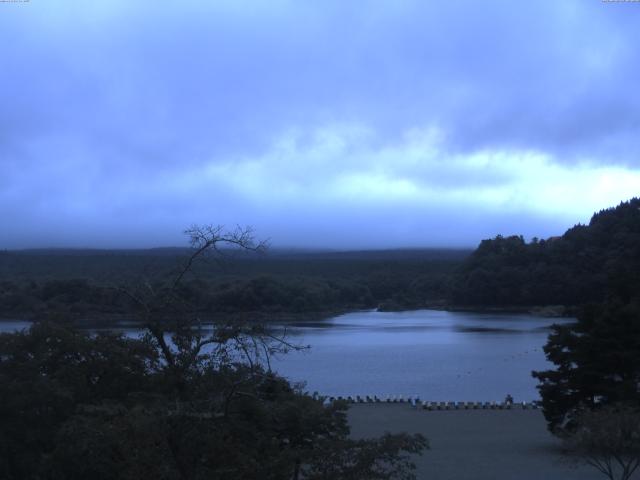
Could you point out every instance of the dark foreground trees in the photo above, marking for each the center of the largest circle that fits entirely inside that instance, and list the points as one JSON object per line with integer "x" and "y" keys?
{"x": 597, "y": 362}
{"x": 589, "y": 263}
{"x": 183, "y": 402}
{"x": 75, "y": 406}
{"x": 592, "y": 399}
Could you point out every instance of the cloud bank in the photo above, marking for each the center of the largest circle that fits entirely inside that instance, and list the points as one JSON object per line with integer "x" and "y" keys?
{"x": 340, "y": 124}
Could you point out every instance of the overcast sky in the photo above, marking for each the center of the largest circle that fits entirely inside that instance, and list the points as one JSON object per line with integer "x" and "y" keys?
{"x": 345, "y": 124}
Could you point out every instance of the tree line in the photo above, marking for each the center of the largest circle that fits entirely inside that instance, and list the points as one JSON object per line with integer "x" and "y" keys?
{"x": 589, "y": 263}
{"x": 301, "y": 284}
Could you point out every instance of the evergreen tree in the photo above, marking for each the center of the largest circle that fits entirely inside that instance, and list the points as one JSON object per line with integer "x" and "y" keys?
{"x": 597, "y": 363}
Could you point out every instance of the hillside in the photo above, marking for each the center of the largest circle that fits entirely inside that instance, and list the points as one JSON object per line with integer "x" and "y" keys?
{"x": 589, "y": 263}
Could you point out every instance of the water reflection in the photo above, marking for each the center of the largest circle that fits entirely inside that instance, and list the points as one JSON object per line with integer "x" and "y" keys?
{"x": 435, "y": 354}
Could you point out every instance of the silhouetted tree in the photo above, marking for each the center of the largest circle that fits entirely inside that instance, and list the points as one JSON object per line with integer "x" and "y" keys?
{"x": 597, "y": 363}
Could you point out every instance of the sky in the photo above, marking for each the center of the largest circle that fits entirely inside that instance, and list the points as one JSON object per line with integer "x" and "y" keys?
{"x": 348, "y": 125}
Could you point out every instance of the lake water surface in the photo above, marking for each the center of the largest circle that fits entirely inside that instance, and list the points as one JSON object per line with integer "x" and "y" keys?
{"x": 438, "y": 355}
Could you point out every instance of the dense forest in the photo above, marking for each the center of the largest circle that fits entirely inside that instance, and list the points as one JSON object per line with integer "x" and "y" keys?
{"x": 86, "y": 285}
{"x": 589, "y": 263}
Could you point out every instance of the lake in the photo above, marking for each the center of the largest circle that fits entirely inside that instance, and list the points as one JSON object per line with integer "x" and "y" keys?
{"x": 437, "y": 355}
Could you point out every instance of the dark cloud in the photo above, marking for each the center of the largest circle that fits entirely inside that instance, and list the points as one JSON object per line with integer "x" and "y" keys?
{"x": 143, "y": 116}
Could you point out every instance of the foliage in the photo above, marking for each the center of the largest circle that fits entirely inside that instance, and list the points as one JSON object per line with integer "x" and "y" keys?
{"x": 608, "y": 439}
{"x": 179, "y": 403}
{"x": 366, "y": 459}
{"x": 597, "y": 362}
{"x": 46, "y": 373}
{"x": 103, "y": 406}
{"x": 79, "y": 285}
{"x": 589, "y": 263}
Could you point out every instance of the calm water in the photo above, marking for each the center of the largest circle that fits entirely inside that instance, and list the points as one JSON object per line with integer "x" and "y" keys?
{"x": 436, "y": 355}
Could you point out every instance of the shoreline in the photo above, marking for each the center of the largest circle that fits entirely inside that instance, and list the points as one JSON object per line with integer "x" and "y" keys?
{"x": 120, "y": 320}
{"x": 105, "y": 320}
{"x": 550, "y": 311}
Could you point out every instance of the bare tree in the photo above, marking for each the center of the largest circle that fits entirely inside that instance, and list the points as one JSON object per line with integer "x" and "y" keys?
{"x": 174, "y": 326}
{"x": 608, "y": 439}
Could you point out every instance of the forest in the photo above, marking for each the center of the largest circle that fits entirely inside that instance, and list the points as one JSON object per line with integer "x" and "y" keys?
{"x": 588, "y": 263}
{"x": 86, "y": 285}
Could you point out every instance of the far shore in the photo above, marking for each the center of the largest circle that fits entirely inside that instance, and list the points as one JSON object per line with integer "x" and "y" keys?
{"x": 119, "y": 320}
{"x": 551, "y": 311}
{"x": 475, "y": 444}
